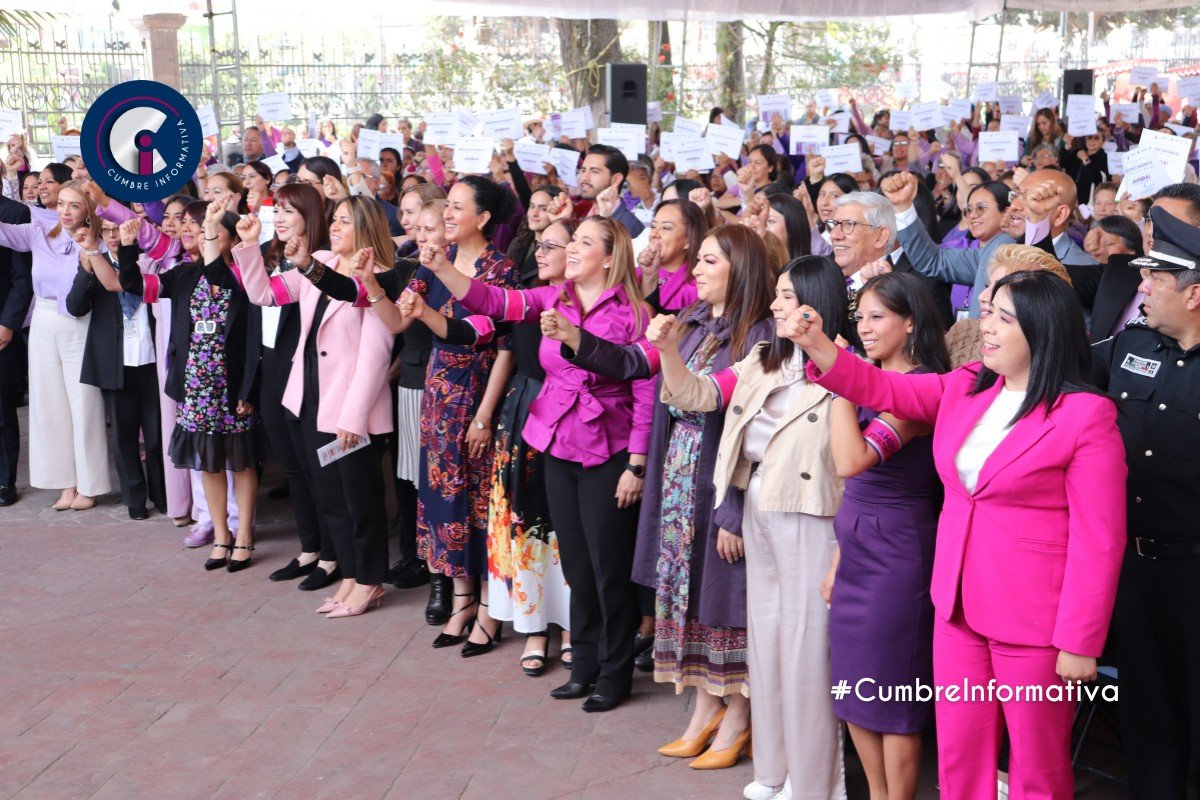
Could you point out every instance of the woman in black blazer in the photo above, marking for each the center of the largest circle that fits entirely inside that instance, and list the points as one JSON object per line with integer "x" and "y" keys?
{"x": 118, "y": 358}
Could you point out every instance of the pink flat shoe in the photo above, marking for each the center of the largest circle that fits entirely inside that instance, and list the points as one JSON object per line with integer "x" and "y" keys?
{"x": 330, "y": 605}
{"x": 375, "y": 598}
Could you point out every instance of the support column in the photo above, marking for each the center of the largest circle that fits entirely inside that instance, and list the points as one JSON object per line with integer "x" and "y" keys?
{"x": 162, "y": 35}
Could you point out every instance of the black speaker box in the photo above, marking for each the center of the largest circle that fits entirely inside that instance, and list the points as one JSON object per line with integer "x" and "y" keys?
{"x": 1077, "y": 81}
{"x": 625, "y": 93}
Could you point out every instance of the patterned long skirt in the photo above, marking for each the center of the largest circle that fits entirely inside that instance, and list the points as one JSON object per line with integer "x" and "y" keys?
{"x": 687, "y": 652}
{"x": 452, "y": 497}
{"x": 525, "y": 578}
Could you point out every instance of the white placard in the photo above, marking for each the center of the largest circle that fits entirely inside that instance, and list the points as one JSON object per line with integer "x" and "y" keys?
{"x": 64, "y": 146}
{"x": 441, "y": 128}
{"x": 1189, "y": 89}
{"x": 900, "y": 121}
{"x": 208, "y": 120}
{"x": 368, "y": 144}
{"x": 636, "y": 127}
{"x": 1116, "y": 163}
{"x": 693, "y": 154}
{"x": 1017, "y": 124}
{"x": 771, "y": 104}
{"x": 1045, "y": 100}
{"x": 1164, "y": 82}
{"x": 826, "y": 98}
{"x": 468, "y": 123}
{"x": 1011, "y": 104}
{"x": 1130, "y": 113}
{"x": 309, "y": 148}
{"x": 879, "y": 145}
{"x": 392, "y": 140}
{"x": 276, "y": 164}
{"x": 473, "y": 156}
{"x": 10, "y": 123}
{"x": 1181, "y": 130}
{"x": 998, "y": 146}
{"x": 577, "y": 122}
{"x": 334, "y": 450}
{"x": 689, "y": 127}
{"x": 531, "y": 157}
{"x": 809, "y": 139}
{"x": 654, "y": 112}
{"x": 504, "y": 123}
{"x": 1109, "y": 147}
{"x": 1171, "y": 151}
{"x": 1144, "y": 175}
{"x": 907, "y": 90}
{"x": 926, "y": 116}
{"x": 841, "y": 121}
{"x": 566, "y": 164}
{"x": 948, "y": 117}
{"x": 843, "y": 158}
{"x": 724, "y": 120}
{"x": 961, "y": 109}
{"x": 266, "y": 231}
{"x": 987, "y": 92}
{"x": 275, "y": 107}
{"x": 1143, "y": 76}
{"x": 1081, "y": 115}
{"x": 624, "y": 139}
{"x": 724, "y": 139}
{"x": 667, "y": 141}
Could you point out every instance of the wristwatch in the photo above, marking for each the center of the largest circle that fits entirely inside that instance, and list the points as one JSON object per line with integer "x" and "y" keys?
{"x": 95, "y": 252}
{"x": 479, "y": 425}
{"x": 637, "y": 469}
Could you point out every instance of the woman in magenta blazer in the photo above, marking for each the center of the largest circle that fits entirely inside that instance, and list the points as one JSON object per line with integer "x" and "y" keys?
{"x": 337, "y": 388}
{"x": 1031, "y": 535}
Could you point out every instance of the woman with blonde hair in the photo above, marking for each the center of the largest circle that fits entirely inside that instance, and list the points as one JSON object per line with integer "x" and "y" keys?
{"x": 963, "y": 338}
{"x": 68, "y": 446}
{"x": 594, "y": 432}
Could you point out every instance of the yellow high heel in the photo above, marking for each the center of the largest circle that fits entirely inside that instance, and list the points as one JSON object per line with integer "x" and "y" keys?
{"x": 690, "y": 748}
{"x": 723, "y": 759}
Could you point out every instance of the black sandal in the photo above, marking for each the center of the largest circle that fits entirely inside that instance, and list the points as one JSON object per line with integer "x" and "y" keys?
{"x": 447, "y": 639}
{"x": 216, "y": 563}
{"x": 236, "y": 566}
{"x": 562, "y": 654}
{"x": 535, "y": 655}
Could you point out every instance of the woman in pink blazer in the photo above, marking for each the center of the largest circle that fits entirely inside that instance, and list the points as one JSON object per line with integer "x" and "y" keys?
{"x": 337, "y": 388}
{"x": 1031, "y": 535}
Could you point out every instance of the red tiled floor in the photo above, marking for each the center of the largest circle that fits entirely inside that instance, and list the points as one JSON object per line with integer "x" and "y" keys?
{"x": 128, "y": 672}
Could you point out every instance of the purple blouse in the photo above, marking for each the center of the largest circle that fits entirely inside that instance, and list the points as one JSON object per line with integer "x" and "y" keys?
{"x": 55, "y": 259}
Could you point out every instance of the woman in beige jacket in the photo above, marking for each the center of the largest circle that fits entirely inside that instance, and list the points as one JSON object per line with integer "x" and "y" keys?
{"x": 777, "y": 487}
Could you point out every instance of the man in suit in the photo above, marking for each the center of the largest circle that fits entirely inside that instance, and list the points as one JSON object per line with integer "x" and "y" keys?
{"x": 1117, "y": 242}
{"x": 16, "y": 293}
{"x": 1118, "y": 299}
{"x": 1153, "y": 366}
{"x": 1049, "y": 199}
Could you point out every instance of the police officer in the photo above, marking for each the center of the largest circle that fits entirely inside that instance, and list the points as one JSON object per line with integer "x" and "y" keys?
{"x": 1153, "y": 366}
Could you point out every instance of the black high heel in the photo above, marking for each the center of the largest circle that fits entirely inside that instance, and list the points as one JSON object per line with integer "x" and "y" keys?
{"x": 448, "y": 640}
{"x": 216, "y": 563}
{"x": 236, "y": 566}
{"x": 477, "y": 649}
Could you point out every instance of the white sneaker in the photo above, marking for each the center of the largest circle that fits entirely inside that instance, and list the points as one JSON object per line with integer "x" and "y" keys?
{"x": 786, "y": 792}
{"x": 760, "y": 791}
{"x": 1002, "y": 789}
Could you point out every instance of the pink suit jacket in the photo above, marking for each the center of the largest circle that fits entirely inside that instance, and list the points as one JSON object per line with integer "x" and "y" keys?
{"x": 1034, "y": 553}
{"x": 355, "y": 348}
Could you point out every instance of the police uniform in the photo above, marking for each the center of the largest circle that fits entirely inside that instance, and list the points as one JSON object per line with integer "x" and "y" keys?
{"x": 1157, "y": 617}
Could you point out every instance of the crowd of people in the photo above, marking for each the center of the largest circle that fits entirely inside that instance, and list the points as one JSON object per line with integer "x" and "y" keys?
{"x": 764, "y": 429}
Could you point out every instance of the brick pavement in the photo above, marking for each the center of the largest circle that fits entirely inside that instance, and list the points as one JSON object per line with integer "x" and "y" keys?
{"x": 127, "y": 671}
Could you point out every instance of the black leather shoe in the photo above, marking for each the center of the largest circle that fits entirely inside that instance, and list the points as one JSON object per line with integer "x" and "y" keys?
{"x": 437, "y": 610}
{"x": 602, "y": 702}
{"x": 8, "y": 495}
{"x": 161, "y": 509}
{"x": 319, "y": 579}
{"x": 408, "y": 573}
{"x": 645, "y": 661}
{"x": 571, "y": 691}
{"x": 238, "y": 566}
{"x": 216, "y": 563}
{"x": 139, "y": 514}
{"x": 281, "y": 492}
{"x": 293, "y": 570}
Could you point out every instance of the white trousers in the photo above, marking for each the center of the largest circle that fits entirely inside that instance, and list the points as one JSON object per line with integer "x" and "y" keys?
{"x": 796, "y": 735}
{"x": 68, "y": 444}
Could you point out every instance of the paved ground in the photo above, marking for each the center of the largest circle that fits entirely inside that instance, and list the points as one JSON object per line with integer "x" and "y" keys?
{"x": 127, "y": 671}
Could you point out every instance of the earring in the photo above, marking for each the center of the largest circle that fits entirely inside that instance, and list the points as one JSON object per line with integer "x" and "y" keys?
{"x": 607, "y": 265}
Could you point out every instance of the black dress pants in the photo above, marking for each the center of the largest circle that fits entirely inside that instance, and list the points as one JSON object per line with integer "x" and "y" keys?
{"x": 596, "y": 541}
{"x": 295, "y": 466}
{"x": 135, "y": 409}
{"x": 11, "y": 359}
{"x": 1158, "y": 658}
{"x": 349, "y": 500}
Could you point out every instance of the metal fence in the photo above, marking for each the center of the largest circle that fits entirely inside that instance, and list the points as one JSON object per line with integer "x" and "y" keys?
{"x": 57, "y": 72}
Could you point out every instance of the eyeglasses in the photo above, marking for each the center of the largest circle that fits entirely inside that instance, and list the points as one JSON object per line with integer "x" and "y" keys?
{"x": 550, "y": 247}
{"x": 1014, "y": 196}
{"x": 970, "y": 210}
{"x": 899, "y": 143}
{"x": 847, "y": 225}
